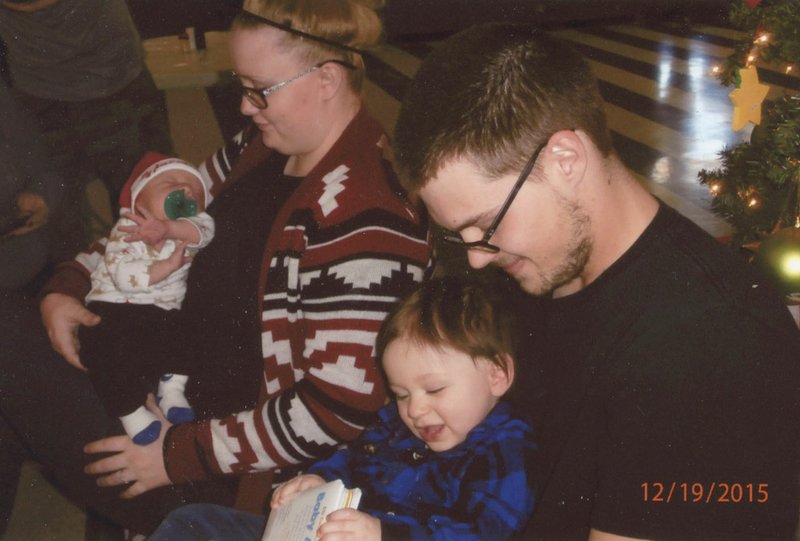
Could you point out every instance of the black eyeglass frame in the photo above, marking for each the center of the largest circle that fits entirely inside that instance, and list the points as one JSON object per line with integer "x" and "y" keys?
{"x": 484, "y": 245}
{"x": 258, "y": 96}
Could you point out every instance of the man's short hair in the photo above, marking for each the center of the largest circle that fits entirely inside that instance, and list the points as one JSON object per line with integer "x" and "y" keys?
{"x": 492, "y": 94}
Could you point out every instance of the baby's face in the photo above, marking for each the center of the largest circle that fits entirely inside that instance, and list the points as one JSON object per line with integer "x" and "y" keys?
{"x": 441, "y": 393}
{"x": 151, "y": 198}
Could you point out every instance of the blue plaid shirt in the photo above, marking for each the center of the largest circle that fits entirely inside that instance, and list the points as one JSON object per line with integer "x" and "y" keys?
{"x": 477, "y": 490}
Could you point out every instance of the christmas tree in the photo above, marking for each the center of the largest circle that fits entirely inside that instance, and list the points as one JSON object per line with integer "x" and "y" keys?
{"x": 757, "y": 187}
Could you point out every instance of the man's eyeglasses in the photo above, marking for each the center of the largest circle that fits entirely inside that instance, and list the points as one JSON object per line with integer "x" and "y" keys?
{"x": 258, "y": 96}
{"x": 484, "y": 245}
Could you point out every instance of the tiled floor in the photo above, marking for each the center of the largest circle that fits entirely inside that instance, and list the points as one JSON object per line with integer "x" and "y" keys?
{"x": 668, "y": 115}
{"x": 41, "y": 513}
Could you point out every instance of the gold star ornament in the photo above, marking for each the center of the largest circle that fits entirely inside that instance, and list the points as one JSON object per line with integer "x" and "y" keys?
{"x": 747, "y": 98}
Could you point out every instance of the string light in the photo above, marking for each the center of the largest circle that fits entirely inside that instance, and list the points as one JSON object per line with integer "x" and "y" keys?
{"x": 740, "y": 197}
{"x": 749, "y": 197}
{"x": 797, "y": 203}
{"x": 760, "y": 41}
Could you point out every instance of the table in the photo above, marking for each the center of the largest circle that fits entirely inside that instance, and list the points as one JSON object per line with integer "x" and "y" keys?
{"x": 184, "y": 75}
{"x": 174, "y": 65}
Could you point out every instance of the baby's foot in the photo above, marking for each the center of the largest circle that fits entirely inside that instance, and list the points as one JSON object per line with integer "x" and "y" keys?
{"x": 172, "y": 401}
{"x": 142, "y": 426}
{"x": 178, "y": 415}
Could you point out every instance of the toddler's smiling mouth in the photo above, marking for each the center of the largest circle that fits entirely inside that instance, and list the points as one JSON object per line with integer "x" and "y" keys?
{"x": 430, "y": 433}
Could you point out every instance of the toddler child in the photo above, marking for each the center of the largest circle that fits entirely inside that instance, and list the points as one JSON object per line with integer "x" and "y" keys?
{"x": 137, "y": 290}
{"x": 446, "y": 459}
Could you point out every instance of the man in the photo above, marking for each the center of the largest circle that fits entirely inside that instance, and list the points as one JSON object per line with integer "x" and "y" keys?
{"x": 665, "y": 384}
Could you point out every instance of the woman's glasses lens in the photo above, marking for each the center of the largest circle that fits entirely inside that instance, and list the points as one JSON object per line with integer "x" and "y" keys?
{"x": 254, "y": 97}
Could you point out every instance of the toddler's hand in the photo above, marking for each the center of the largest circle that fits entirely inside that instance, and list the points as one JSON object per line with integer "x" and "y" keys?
{"x": 288, "y": 490}
{"x": 349, "y": 524}
{"x": 148, "y": 229}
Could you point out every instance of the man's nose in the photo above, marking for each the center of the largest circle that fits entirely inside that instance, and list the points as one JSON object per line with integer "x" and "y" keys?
{"x": 479, "y": 259}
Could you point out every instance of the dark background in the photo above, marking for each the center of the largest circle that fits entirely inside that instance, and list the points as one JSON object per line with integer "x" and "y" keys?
{"x": 413, "y": 18}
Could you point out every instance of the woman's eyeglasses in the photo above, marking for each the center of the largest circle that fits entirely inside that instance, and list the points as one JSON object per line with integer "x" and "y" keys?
{"x": 484, "y": 245}
{"x": 258, "y": 96}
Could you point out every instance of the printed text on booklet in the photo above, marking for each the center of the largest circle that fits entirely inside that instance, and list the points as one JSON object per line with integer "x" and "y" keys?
{"x": 299, "y": 519}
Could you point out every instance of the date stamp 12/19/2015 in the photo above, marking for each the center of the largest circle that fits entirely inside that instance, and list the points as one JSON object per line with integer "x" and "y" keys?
{"x": 705, "y": 493}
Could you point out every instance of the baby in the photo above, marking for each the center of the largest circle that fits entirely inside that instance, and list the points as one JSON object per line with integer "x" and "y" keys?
{"x": 137, "y": 290}
{"x": 446, "y": 459}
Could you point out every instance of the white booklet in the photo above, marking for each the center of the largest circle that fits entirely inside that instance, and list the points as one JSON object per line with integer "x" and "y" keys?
{"x": 299, "y": 519}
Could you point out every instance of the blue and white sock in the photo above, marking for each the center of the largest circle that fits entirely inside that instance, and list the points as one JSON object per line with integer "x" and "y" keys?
{"x": 172, "y": 400}
{"x": 142, "y": 426}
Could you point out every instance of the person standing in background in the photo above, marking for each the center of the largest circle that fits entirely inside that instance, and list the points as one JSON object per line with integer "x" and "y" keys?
{"x": 78, "y": 67}
{"x": 29, "y": 191}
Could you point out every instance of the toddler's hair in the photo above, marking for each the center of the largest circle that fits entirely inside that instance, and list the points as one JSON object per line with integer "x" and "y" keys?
{"x": 457, "y": 312}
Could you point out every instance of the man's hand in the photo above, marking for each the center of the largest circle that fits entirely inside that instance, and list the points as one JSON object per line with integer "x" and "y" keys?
{"x": 349, "y": 525}
{"x": 141, "y": 466}
{"x": 61, "y": 316}
{"x": 32, "y": 213}
{"x": 597, "y": 535}
{"x": 288, "y": 490}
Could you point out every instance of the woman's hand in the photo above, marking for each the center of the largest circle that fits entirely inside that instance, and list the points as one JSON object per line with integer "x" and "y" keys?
{"x": 349, "y": 525}
{"x": 141, "y": 466}
{"x": 288, "y": 490}
{"x": 61, "y": 316}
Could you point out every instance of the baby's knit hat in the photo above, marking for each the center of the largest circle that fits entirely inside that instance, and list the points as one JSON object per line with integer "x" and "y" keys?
{"x": 149, "y": 166}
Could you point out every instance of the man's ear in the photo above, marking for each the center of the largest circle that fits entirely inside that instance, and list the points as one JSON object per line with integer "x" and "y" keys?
{"x": 500, "y": 380}
{"x": 569, "y": 153}
{"x": 332, "y": 76}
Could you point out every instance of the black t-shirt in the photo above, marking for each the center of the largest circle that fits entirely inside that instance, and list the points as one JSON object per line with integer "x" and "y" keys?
{"x": 667, "y": 397}
{"x": 220, "y": 313}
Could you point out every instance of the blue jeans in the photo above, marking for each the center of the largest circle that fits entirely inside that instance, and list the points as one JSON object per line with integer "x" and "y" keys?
{"x": 205, "y": 522}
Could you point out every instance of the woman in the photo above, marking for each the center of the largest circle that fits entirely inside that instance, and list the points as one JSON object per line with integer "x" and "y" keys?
{"x": 313, "y": 246}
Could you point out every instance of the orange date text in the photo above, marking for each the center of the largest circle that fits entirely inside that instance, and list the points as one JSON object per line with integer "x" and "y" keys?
{"x": 700, "y": 493}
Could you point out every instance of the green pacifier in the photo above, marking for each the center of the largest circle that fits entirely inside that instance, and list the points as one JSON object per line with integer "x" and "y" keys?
{"x": 176, "y": 205}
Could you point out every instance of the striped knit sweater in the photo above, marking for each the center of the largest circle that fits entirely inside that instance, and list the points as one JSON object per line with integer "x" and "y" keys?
{"x": 341, "y": 251}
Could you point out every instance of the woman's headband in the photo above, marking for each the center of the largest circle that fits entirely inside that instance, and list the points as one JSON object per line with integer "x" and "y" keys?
{"x": 296, "y": 32}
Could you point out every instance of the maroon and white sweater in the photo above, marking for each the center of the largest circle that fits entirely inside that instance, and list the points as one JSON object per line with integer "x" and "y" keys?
{"x": 346, "y": 229}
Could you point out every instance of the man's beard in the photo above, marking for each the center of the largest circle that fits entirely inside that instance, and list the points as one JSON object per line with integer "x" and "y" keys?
{"x": 579, "y": 250}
